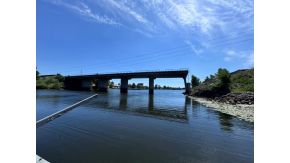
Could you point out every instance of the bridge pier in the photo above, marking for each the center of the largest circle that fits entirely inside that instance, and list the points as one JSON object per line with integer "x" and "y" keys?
{"x": 124, "y": 85}
{"x": 103, "y": 85}
{"x": 151, "y": 86}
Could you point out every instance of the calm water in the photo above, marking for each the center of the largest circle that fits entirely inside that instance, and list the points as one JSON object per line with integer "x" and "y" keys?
{"x": 166, "y": 127}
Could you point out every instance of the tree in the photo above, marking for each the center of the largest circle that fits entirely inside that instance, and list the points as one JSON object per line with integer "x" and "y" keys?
{"x": 133, "y": 85}
{"x": 223, "y": 86}
{"x": 206, "y": 79}
{"x": 111, "y": 84}
{"x": 224, "y": 77}
{"x": 194, "y": 81}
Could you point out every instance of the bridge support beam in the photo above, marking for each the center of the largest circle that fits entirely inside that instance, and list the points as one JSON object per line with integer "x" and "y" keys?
{"x": 151, "y": 86}
{"x": 103, "y": 85}
{"x": 124, "y": 85}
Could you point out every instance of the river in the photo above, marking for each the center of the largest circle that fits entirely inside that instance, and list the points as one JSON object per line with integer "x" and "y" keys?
{"x": 136, "y": 127}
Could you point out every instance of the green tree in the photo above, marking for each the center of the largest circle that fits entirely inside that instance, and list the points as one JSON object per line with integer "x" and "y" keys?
{"x": 206, "y": 79}
{"x": 111, "y": 84}
{"x": 133, "y": 85}
{"x": 223, "y": 86}
{"x": 224, "y": 76}
{"x": 194, "y": 81}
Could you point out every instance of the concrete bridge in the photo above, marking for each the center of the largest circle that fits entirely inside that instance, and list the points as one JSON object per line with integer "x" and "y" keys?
{"x": 101, "y": 81}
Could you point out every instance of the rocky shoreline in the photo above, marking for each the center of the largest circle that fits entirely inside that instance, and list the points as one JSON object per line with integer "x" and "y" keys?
{"x": 239, "y": 105}
{"x": 236, "y": 98}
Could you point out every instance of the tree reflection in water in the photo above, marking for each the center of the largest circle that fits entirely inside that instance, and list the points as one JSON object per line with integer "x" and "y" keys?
{"x": 225, "y": 122}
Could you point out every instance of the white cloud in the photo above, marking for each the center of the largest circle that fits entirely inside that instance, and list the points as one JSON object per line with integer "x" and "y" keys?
{"x": 184, "y": 17}
{"x": 196, "y": 50}
{"x": 241, "y": 6}
{"x": 245, "y": 56}
{"x": 127, "y": 10}
{"x": 85, "y": 11}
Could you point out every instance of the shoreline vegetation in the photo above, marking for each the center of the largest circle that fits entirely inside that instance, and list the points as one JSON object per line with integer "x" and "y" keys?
{"x": 230, "y": 93}
{"x": 49, "y": 81}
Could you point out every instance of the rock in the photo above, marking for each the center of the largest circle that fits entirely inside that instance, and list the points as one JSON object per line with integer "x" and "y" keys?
{"x": 236, "y": 98}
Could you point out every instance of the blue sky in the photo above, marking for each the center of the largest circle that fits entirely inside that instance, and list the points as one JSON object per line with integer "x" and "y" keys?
{"x": 101, "y": 36}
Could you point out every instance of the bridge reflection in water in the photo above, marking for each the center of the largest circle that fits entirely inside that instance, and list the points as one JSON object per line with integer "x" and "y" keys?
{"x": 139, "y": 106}
{"x": 136, "y": 127}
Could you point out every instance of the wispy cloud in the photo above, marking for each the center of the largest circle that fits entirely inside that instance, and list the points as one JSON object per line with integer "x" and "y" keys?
{"x": 197, "y": 51}
{"x": 205, "y": 16}
{"x": 195, "y": 22}
{"x": 84, "y": 10}
{"x": 246, "y": 56}
{"x": 129, "y": 11}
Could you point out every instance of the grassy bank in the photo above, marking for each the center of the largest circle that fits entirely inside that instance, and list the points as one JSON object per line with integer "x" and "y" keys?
{"x": 224, "y": 82}
{"x": 49, "y": 82}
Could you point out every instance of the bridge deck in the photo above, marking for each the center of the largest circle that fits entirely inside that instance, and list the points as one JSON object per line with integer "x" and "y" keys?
{"x": 150, "y": 74}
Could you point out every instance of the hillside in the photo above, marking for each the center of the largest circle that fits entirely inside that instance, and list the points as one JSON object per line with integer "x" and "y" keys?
{"x": 241, "y": 81}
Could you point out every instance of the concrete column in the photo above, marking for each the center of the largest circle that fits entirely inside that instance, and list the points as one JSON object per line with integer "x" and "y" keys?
{"x": 151, "y": 86}
{"x": 103, "y": 85}
{"x": 124, "y": 85}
